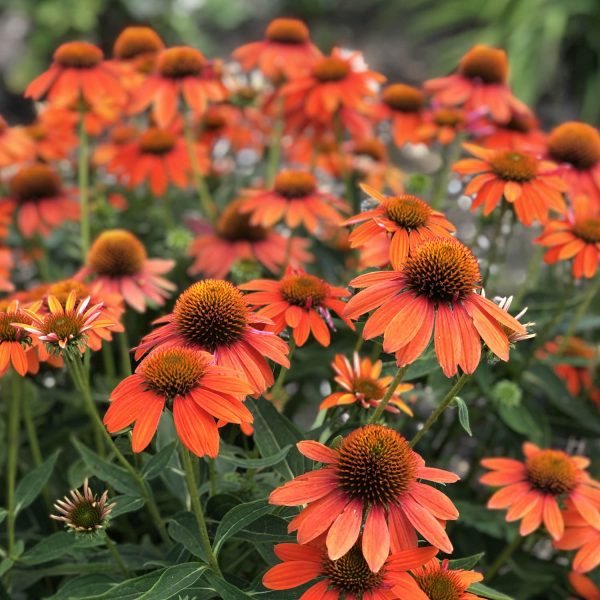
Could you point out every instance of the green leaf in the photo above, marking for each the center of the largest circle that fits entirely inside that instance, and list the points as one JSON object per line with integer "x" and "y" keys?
{"x": 83, "y": 585}
{"x": 183, "y": 528}
{"x": 256, "y": 463}
{"x": 55, "y": 546}
{"x": 125, "y": 504}
{"x": 421, "y": 367}
{"x": 520, "y": 420}
{"x": 225, "y": 589}
{"x": 463, "y": 414}
{"x": 238, "y": 518}
{"x": 159, "y": 461}
{"x": 31, "y": 485}
{"x": 267, "y": 529}
{"x": 466, "y": 563}
{"x": 3, "y": 513}
{"x": 487, "y": 592}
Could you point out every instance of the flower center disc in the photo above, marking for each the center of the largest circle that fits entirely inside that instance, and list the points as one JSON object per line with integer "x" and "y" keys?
{"x": 369, "y": 389}
{"x": 331, "y": 69}
{"x": 376, "y": 464}
{"x": 287, "y": 31}
{"x": 213, "y": 121}
{"x": 407, "y": 211}
{"x": 441, "y": 585}
{"x": 180, "y": 61}
{"x": 403, "y": 98}
{"x": 513, "y": 166}
{"x": 211, "y": 313}
{"x": 552, "y": 471}
{"x": 295, "y": 184}
{"x": 87, "y": 516}
{"x": 34, "y": 183}
{"x": 8, "y": 333}
{"x": 117, "y": 253}
{"x": 78, "y": 55}
{"x": 351, "y": 573}
{"x": 487, "y": 64}
{"x": 448, "y": 117}
{"x": 121, "y": 134}
{"x": 236, "y": 227}
{"x": 62, "y": 289}
{"x": 304, "y": 290}
{"x": 575, "y": 143}
{"x": 66, "y": 326}
{"x": 156, "y": 141}
{"x": 373, "y": 148}
{"x": 136, "y": 41}
{"x": 588, "y": 230}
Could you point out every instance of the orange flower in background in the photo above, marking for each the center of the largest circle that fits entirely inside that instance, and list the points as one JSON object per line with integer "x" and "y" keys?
{"x": 15, "y": 343}
{"x": 119, "y": 136}
{"x": 479, "y": 83}
{"x": 192, "y": 386}
{"x": 52, "y": 136}
{"x": 117, "y": 263}
{"x": 233, "y": 238}
{"x": 405, "y": 221}
{"x": 581, "y": 536}
{"x": 584, "y": 586}
{"x": 531, "y": 186}
{"x": 300, "y": 301}
{"x": 403, "y": 105}
{"x": 6, "y": 217}
{"x": 37, "y": 195}
{"x": 374, "y": 474}
{"x": 212, "y": 315}
{"x": 521, "y": 133}
{"x": 15, "y": 147}
{"x": 6, "y": 265}
{"x": 362, "y": 383}
{"x": 535, "y": 490}
{"x": 347, "y": 577}
{"x": 285, "y": 52}
{"x": 435, "y": 578}
{"x": 441, "y": 124}
{"x": 318, "y": 150}
{"x": 437, "y": 285}
{"x": 296, "y": 200}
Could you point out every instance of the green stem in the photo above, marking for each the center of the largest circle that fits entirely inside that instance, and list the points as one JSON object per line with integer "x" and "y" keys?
{"x": 109, "y": 362}
{"x": 112, "y": 548}
{"x": 124, "y": 354}
{"x": 275, "y": 146}
{"x": 283, "y": 371}
{"x": 450, "y": 154}
{"x": 14, "y": 409}
{"x": 494, "y": 239}
{"x": 192, "y": 487}
{"x": 388, "y": 394}
{"x": 435, "y": 415}
{"x": 506, "y": 553}
{"x": 83, "y": 177}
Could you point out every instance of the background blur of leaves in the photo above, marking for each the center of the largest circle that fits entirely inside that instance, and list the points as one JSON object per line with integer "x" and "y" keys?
{"x": 554, "y": 46}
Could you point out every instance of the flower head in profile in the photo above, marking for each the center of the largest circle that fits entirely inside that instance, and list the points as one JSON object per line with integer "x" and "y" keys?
{"x": 534, "y": 490}
{"x": 442, "y": 123}
{"x": 300, "y": 301}
{"x": 437, "y": 581}
{"x": 373, "y": 476}
{"x": 403, "y": 105}
{"x": 187, "y": 382}
{"x": 435, "y": 286}
{"x": 348, "y": 576}
{"x": 361, "y": 382}
{"x": 134, "y": 52}
{"x": 531, "y": 186}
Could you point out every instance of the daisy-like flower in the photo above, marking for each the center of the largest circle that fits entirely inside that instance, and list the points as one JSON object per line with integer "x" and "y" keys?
{"x": 479, "y": 83}
{"x": 403, "y": 105}
{"x": 84, "y": 511}
{"x": 117, "y": 263}
{"x": 78, "y": 69}
{"x": 348, "y": 577}
{"x": 534, "y": 490}
{"x": 361, "y": 382}
{"x": 6, "y": 265}
{"x": 576, "y": 236}
{"x": 584, "y": 586}
{"x": 521, "y": 133}
{"x": 118, "y": 137}
{"x": 441, "y": 124}
{"x": 531, "y": 186}
{"x": 405, "y": 220}
{"x": 189, "y": 383}
{"x": 374, "y": 474}
{"x": 300, "y": 301}
{"x": 233, "y": 238}
{"x": 212, "y": 315}
{"x": 436, "y": 581}
{"x": 37, "y": 195}
{"x": 51, "y": 135}
{"x": 15, "y": 343}
{"x": 576, "y": 148}
{"x": 15, "y": 147}
{"x": 285, "y": 52}
{"x": 296, "y": 200}
{"x": 437, "y": 285}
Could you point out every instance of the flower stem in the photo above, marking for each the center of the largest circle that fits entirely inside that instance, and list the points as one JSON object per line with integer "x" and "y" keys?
{"x": 83, "y": 180}
{"x": 275, "y": 146}
{"x": 192, "y": 486}
{"x": 124, "y": 353}
{"x": 440, "y": 185}
{"x": 435, "y": 415}
{"x": 388, "y": 394}
{"x": 506, "y": 553}
{"x": 14, "y": 409}
{"x": 112, "y": 548}
{"x": 108, "y": 359}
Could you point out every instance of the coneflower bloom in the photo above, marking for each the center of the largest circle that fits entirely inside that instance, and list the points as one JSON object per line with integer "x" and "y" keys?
{"x": 15, "y": 147}
{"x": 374, "y": 474}
{"x": 348, "y": 577}
{"x": 37, "y": 195}
{"x": 361, "y": 382}
{"x": 52, "y": 136}
{"x": 403, "y": 105}
{"x": 6, "y": 265}
{"x": 233, "y": 238}
{"x": 117, "y": 263}
{"x": 535, "y": 490}
{"x": 531, "y": 186}
{"x": 437, "y": 285}
{"x": 584, "y": 586}
{"x": 78, "y": 70}
{"x": 15, "y": 343}
{"x": 479, "y": 83}
{"x": 118, "y": 137}
{"x": 296, "y": 200}
{"x": 405, "y": 220}
{"x": 187, "y": 382}
{"x": 300, "y": 301}
{"x": 436, "y": 581}
{"x": 521, "y": 133}
{"x": 212, "y": 315}
{"x": 442, "y": 123}
{"x": 285, "y": 52}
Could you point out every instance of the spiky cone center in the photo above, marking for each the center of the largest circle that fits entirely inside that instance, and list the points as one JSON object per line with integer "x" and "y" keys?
{"x": 65, "y": 326}
{"x": 442, "y": 270}
{"x": 373, "y": 148}
{"x": 520, "y": 123}
{"x": 304, "y": 290}
{"x": 62, "y": 289}
{"x": 116, "y": 253}
{"x": 180, "y": 61}
{"x": 86, "y": 516}
{"x": 376, "y": 464}
{"x": 235, "y": 226}
{"x": 213, "y": 120}
{"x": 295, "y": 184}
{"x": 8, "y": 333}
{"x": 487, "y": 64}
{"x": 407, "y": 210}
{"x": 552, "y": 472}
{"x": 78, "y": 55}
{"x": 588, "y": 230}
{"x": 514, "y": 166}
{"x": 156, "y": 141}
{"x": 331, "y": 68}
{"x": 211, "y": 313}
{"x": 441, "y": 584}
{"x": 121, "y": 134}
{"x": 368, "y": 388}
{"x": 404, "y": 98}
{"x": 575, "y": 143}
{"x": 448, "y": 117}
{"x": 351, "y": 573}
{"x": 136, "y": 41}
{"x": 287, "y": 31}
{"x": 34, "y": 183}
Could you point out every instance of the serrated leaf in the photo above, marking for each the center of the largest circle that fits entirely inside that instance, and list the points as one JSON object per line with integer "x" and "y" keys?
{"x": 31, "y": 485}
{"x": 183, "y": 528}
{"x": 487, "y": 592}
{"x": 463, "y": 414}
{"x": 256, "y": 463}
{"x": 158, "y": 462}
{"x": 238, "y": 518}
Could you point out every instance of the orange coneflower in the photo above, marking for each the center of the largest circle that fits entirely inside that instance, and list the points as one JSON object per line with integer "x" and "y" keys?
{"x": 436, "y": 284}
{"x": 374, "y": 474}
{"x": 584, "y": 586}
{"x": 362, "y": 383}
{"x": 6, "y": 265}
{"x": 521, "y": 133}
{"x": 189, "y": 383}
{"x": 15, "y": 344}
{"x": 117, "y": 263}
{"x": 442, "y": 123}
{"x": 15, "y": 147}
{"x": 52, "y": 136}
{"x": 534, "y": 490}
{"x": 403, "y": 105}
{"x": 405, "y": 221}
{"x": 300, "y": 301}
{"x": 233, "y": 238}
{"x": 480, "y": 83}
{"x": 41, "y": 202}
{"x": 348, "y": 577}
{"x": 119, "y": 136}
{"x": 212, "y": 315}
{"x": 531, "y": 186}
{"x": 319, "y": 150}
{"x": 436, "y": 581}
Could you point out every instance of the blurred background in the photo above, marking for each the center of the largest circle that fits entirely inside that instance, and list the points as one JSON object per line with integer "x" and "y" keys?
{"x": 553, "y": 45}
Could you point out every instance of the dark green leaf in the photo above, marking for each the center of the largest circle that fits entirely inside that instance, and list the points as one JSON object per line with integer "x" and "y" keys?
{"x": 224, "y": 588}
{"x": 31, "y": 485}
{"x": 238, "y": 518}
{"x": 158, "y": 462}
{"x": 519, "y": 419}
{"x": 183, "y": 528}
{"x": 83, "y": 586}
{"x": 466, "y": 563}
{"x": 256, "y": 463}
{"x": 54, "y": 546}
{"x": 463, "y": 414}
{"x": 125, "y": 504}
{"x": 488, "y": 592}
